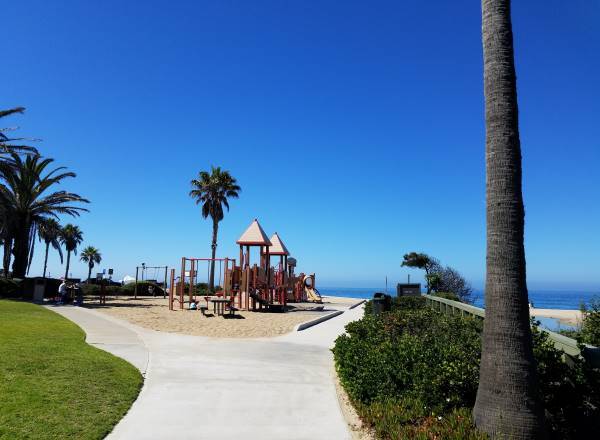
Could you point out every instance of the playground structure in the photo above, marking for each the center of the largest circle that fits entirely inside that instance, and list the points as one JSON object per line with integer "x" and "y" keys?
{"x": 153, "y": 280}
{"x": 248, "y": 286}
{"x": 228, "y": 282}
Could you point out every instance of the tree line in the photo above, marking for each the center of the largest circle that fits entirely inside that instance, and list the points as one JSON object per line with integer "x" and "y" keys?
{"x": 31, "y": 206}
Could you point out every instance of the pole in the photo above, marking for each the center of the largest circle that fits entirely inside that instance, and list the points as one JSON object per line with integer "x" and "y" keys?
{"x": 137, "y": 268}
{"x": 192, "y": 267}
{"x": 171, "y": 289}
{"x": 165, "y": 286}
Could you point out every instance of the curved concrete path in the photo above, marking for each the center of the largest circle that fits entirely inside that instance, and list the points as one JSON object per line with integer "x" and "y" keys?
{"x": 209, "y": 388}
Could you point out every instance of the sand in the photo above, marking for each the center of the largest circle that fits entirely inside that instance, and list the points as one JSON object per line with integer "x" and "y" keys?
{"x": 154, "y": 314}
{"x": 571, "y": 317}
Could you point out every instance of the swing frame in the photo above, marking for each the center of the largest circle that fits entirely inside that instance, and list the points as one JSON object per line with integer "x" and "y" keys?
{"x": 144, "y": 267}
{"x": 190, "y": 271}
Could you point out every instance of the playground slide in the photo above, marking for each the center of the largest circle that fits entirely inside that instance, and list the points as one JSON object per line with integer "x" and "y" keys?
{"x": 313, "y": 295}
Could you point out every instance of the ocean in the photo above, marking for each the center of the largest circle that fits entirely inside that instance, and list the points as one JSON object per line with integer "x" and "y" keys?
{"x": 542, "y": 299}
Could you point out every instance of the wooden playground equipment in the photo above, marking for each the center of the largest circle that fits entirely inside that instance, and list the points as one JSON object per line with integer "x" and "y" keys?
{"x": 248, "y": 286}
{"x": 188, "y": 280}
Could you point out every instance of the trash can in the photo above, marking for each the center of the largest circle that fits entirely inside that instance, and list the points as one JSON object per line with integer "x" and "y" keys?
{"x": 39, "y": 287}
{"x": 378, "y": 303}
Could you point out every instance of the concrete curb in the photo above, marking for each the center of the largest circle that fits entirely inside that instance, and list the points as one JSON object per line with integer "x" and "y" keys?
{"x": 357, "y": 304}
{"x": 320, "y": 319}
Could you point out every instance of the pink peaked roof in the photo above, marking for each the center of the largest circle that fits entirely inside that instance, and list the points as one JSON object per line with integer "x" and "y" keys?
{"x": 254, "y": 236}
{"x": 278, "y": 247}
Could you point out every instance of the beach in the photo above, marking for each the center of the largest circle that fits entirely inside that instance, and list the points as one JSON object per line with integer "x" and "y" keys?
{"x": 153, "y": 313}
{"x": 569, "y": 317}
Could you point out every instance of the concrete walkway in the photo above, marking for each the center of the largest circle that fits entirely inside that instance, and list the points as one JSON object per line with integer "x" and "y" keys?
{"x": 108, "y": 334}
{"x": 209, "y": 388}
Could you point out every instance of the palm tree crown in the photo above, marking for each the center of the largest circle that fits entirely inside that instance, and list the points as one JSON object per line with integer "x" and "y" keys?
{"x": 212, "y": 191}
{"x": 25, "y": 201}
{"x": 6, "y": 143}
{"x": 91, "y": 256}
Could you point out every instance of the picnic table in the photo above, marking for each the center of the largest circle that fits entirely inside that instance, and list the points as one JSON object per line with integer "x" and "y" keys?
{"x": 219, "y": 305}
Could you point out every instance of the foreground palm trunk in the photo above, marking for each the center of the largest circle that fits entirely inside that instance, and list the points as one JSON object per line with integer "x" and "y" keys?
{"x": 21, "y": 250}
{"x": 7, "y": 256}
{"x": 507, "y": 405}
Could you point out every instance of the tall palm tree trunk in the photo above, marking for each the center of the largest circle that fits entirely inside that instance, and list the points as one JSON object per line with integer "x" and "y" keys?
{"x": 211, "y": 281}
{"x": 46, "y": 258}
{"x": 90, "y": 267}
{"x": 21, "y": 249}
{"x": 68, "y": 264}
{"x": 507, "y": 405}
{"x": 7, "y": 255}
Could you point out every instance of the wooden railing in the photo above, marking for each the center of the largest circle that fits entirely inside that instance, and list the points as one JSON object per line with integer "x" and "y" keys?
{"x": 568, "y": 345}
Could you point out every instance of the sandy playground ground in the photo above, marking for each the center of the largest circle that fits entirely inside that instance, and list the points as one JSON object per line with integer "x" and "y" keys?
{"x": 154, "y": 314}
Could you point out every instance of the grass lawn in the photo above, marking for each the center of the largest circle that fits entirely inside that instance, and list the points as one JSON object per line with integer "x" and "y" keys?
{"x": 52, "y": 384}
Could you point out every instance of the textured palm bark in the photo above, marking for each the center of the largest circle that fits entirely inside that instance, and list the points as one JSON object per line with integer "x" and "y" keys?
{"x": 7, "y": 255}
{"x": 21, "y": 248}
{"x": 507, "y": 404}
{"x": 46, "y": 259}
{"x": 68, "y": 264}
{"x": 213, "y": 247}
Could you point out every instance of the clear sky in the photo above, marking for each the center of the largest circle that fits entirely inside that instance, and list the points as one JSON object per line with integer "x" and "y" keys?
{"x": 355, "y": 129}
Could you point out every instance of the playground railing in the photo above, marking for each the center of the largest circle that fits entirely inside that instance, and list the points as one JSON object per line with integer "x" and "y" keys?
{"x": 568, "y": 345}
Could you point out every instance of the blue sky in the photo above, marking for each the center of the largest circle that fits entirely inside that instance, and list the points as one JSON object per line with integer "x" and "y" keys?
{"x": 355, "y": 129}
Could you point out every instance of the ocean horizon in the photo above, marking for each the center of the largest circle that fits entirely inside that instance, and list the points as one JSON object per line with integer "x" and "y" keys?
{"x": 542, "y": 299}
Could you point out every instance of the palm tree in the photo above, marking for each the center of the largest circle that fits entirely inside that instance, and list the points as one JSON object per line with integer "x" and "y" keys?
{"x": 6, "y": 221}
{"x": 25, "y": 201}
{"x": 212, "y": 191}
{"x": 6, "y": 145}
{"x": 507, "y": 405}
{"x": 71, "y": 236}
{"x": 49, "y": 232}
{"x": 91, "y": 256}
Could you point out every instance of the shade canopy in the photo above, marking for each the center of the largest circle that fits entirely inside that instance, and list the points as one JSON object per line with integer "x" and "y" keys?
{"x": 254, "y": 236}
{"x": 278, "y": 248}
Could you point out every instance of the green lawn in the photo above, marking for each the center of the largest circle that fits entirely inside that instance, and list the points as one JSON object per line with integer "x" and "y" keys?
{"x": 52, "y": 384}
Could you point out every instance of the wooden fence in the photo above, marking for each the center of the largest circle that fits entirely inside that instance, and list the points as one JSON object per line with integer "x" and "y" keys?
{"x": 568, "y": 345}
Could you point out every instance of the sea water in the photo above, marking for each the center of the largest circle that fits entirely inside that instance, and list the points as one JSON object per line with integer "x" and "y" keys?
{"x": 541, "y": 299}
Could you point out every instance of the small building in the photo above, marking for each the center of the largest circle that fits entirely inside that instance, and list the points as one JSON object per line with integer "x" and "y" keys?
{"x": 408, "y": 289}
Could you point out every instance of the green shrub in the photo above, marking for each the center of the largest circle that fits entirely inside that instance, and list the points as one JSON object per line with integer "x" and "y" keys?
{"x": 10, "y": 288}
{"x": 406, "y": 368}
{"x": 590, "y": 330}
{"x": 90, "y": 289}
{"x": 410, "y": 419}
{"x": 448, "y": 295}
{"x": 570, "y": 393}
{"x": 400, "y": 303}
{"x": 142, "y": 289}
{"x": 410, "y": 353}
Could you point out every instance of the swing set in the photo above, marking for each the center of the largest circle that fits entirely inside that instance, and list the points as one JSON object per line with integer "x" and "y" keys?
{"x": 228, "y": 282}
{"x": 154, "y": 280}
